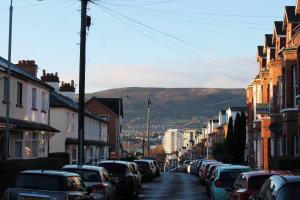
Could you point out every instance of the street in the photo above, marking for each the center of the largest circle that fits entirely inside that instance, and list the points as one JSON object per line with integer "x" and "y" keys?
{"x": 173, "y": 186}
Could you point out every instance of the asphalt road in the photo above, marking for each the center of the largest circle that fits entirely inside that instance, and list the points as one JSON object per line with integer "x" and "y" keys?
{"x": 173, "y": 186}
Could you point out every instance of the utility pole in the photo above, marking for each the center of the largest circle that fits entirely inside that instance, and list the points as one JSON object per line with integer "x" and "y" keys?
{"x": 148, "y": 125}
{"x": 82, "y": 81}
{"x": 7, "y": 89}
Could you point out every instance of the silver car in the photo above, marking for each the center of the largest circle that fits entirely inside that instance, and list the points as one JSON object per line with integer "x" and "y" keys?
{"x": 46, "y": 184}
{"x": 95, "y": 177}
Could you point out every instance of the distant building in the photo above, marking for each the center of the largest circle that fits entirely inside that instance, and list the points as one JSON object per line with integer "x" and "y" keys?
{"x": 173, "y": 140}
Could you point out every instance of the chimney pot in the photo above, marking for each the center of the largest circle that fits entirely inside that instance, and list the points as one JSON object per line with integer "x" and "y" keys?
{"x": 72, "y": 83}
{"x": 56, "y": 74}
{"x": 44, "y": 72}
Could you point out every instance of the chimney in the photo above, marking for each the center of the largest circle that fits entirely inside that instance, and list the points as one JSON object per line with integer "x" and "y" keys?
{"x": 51, "y": 79}
{"x": 28, "y": 66}
{"x": 297, "y": 7}
{"x": 68, "y": 90}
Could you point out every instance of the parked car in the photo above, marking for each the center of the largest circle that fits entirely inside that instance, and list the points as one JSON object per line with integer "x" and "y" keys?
{"x": 95, "y": 177}
{"x": 145, "y": 169}
{"x": 279, "y": 187}
{"x": 249, "y": 183}
{"x": 46, "y": 184}
{"x": 122, "y": 176}
{"x": 224, "y": 177}
{"x": 209, "y": 175}
{"x": 137, "y": 172}
{"x": 204, "y": 169}
{"x": 153, "y": 167}
{"x": 196, "y": 166}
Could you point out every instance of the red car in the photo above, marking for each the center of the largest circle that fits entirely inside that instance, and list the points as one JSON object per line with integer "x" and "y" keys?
{"x": 249, "y": 183}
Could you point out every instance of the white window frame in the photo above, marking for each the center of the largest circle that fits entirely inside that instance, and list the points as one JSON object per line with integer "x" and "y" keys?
{"x": 296, "y": 145}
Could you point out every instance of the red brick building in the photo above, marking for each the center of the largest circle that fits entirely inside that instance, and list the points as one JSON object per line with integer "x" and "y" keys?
{"x": 274, "y": 135}
{"x": 112, "y": 108}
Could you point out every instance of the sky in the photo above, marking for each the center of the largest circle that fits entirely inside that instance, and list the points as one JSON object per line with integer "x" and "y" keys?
{"x": 144, "y": 43}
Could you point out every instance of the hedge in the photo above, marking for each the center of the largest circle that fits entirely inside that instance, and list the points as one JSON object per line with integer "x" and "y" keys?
{"x": 9, "y": 169}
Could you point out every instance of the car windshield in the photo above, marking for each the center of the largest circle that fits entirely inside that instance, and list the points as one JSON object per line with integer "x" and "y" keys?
{"x": 228, "y": 177}
{"x": 289, "y": 191}
{"x": 86, "y": 175}
{"x": 114, "y": 169}
{"x": 254, "y": 183}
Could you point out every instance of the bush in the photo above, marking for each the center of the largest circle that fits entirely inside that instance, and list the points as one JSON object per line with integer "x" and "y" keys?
{"x": 9, "y": 169}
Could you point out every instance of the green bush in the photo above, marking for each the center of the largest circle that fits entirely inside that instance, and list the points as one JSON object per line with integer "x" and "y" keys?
{"x": 9, "y": 169}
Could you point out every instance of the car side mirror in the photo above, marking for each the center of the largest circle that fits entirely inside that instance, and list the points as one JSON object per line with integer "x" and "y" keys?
{"x": 89, "y": 190}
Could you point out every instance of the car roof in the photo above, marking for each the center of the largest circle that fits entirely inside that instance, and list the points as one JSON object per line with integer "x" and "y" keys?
{"x": 115, "y": 161}
{"x": 263, "y": 173}
{"x": 283, "y": 179}
{"x": 50, "y": 172}
{"x": 228, "y": 167}
{"x": 85, "y": 167}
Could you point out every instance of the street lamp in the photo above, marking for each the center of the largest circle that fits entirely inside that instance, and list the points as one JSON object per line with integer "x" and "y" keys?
{"x": 7, "y": 90}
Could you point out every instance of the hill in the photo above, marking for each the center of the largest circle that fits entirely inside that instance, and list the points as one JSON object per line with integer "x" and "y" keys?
{"x": 173, "y": 107}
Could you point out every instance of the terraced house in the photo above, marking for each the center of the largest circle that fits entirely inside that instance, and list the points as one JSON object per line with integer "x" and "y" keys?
{"x": 64, "y": 117}
{"x": 273, "y": 97}
{"x": 29, "y": 124}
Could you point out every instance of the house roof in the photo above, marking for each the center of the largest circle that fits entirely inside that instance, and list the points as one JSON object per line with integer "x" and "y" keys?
{"x": 60, "y": 101}
{"x": 268, "y": 40}
{"x": 291, "y": 14}
{"x": 223, "y": 112}
{"x": 260, "y": 51}
{"x": 17, "y": 71}
{"x": 278, "y": 28}
{"x": 238, "y": 109}
{"x": 113, "y": 104}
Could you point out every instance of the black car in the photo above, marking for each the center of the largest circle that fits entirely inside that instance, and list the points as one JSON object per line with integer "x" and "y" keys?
{"x": 122, "y": 176}
{"x": 145, "y": 169}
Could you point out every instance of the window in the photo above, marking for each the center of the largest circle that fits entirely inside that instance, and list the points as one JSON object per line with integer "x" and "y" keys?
{"x": 272, "y": 146}
{"x": 73, "y": 121}
{"x": 44, "y": 102}
{"x": 280, "y": 146}
{"x": 33, "y": 104}
{"x": 5, "y": 84}
{"x": 31, "y": 142}
{"x": 296, "y": 145}
{"x": 68, "y": 121}
{"x": 294, "y": 85}
{"x": 19, "y": 94}
{"x": 279, "y": 94}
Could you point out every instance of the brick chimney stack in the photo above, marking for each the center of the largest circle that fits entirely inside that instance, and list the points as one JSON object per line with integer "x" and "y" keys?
{"x": 51, "y": 79}
{"x": 68, "y": 90}
{"x": 28, "y": 66}
{"x": 297, "y": 7}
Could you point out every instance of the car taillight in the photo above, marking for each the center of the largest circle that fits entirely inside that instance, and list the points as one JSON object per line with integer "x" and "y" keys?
{"x": 98, "y": 187}
{"x": 218, "y": 183}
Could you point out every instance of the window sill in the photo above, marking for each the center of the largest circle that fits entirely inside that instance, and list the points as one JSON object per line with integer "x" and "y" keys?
{"x": 35, "y": 109}
{"x": 19, "y": 106}
{"x": 4, "y": 101}
{"x": 43, "y": 111}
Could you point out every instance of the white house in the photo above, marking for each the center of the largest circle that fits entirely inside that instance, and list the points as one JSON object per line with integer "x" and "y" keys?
{"x": 29, "y": 129}
{"x": 64, "y": 117}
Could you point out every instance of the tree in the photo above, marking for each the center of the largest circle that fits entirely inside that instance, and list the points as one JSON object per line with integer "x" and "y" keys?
{"x": 236, "y": 138}
{"x": 159, "y": 153}
{"x": 229, "y": 138}
{"x": 243, "y": 137}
